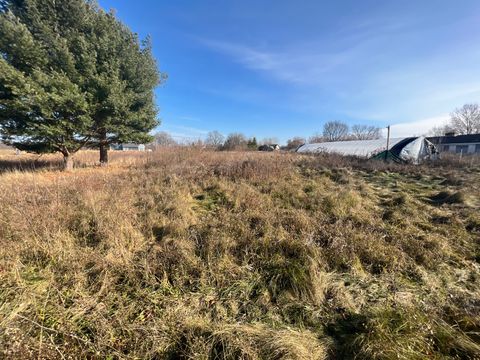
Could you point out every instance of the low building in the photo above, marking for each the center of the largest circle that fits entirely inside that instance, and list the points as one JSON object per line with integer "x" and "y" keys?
{"x": 128, "y": 147}
{"x": 458, "y": 144}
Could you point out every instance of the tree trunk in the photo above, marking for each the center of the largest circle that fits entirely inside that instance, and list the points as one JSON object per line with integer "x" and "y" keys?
{"x": 103, "y": 148}
{"x": 67, "y": 162}
{"x": 103, "y": 154}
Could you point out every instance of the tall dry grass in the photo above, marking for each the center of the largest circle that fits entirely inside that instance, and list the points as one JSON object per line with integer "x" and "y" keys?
{"x": 192, "y": 254}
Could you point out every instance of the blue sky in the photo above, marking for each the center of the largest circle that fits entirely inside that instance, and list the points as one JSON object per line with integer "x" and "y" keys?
{"x": 283, "y": 68}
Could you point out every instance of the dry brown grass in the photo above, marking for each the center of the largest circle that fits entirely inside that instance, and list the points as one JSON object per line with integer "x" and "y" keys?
{"x": 192, "y": 254}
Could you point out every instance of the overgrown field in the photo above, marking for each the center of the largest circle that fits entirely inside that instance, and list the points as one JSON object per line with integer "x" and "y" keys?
{"x": 192, "y": 254}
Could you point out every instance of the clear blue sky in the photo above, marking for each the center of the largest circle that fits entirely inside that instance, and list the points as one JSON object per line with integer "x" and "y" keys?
{"x": 283, "y": 68}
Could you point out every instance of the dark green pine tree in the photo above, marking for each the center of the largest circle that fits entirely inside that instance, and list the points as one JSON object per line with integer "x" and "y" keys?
{"x": 72, "y": 74}
{"x": 122, "y": 88}
{"x": 42, "y": 105}
{"x": 252, "y": 143}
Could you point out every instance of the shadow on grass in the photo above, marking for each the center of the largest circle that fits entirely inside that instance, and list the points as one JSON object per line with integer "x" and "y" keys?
{"x": 344, "y": 331}
{"x": 29, "y": 165}
{"x": 447, "y": 197}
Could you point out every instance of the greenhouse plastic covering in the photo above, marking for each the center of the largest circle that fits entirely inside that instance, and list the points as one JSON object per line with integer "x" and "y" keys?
{"x": 362, "y": 148}
{"x": 413, "y": 150}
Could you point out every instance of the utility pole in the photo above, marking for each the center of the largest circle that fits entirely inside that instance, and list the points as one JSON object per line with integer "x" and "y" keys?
{"x": 388, "y": 142}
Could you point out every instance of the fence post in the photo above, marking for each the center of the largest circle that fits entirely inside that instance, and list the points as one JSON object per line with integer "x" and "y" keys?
{"x": 388, "y": 142}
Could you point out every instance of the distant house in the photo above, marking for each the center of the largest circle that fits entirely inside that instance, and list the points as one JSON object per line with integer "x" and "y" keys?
{"x": 460, "y": 144}
{"x": 128, "y": 147}
{"x": 269, "y": 147}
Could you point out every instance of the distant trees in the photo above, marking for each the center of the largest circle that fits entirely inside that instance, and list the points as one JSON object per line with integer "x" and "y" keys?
{"x": 365, "y": 132}
{"x": 316, "y": 138}
{"x": 238, "y": 141}
{"x": 295, "y": 142}
{"x": 335, "y": 131}
{"x": 465, "y": 120}
{"x": 440, "y": 130}
{"x": 214, "y": 139}
{"x": 340, "y": 131}
{"x": 163, "y": 139}
{"x": 71, "y": 75}
{"x": 235, "y": 141}
{"x": 252, "y": 143}
{"x": 269, "y": 141}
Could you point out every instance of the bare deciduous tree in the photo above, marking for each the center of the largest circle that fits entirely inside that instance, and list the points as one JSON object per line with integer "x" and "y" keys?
{"x": 440, "y": 130}
{"x": 215, "y": 139}
{"x": 466, "y": 120}
{"x": 316, "y": 138}
{"x": 235, "y": 141}
{"x": 295, "y": 142}
{"x": 365, "y": 132}
{"x": 195, "y": 143}
{"x": 335, "y": 131}
{"x": 163, "y": 139}
{"x": 269, "y": 141}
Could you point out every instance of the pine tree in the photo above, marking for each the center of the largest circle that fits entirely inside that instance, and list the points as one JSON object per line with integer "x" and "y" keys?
{"x": 42, "y": 106}
{"x": 122, "y": 89}
{"x": 70, "y": 75}
{"x": 252, "y": 143}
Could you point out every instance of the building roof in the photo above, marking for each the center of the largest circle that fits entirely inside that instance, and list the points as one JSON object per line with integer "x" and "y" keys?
{"x": 459, "y": 139}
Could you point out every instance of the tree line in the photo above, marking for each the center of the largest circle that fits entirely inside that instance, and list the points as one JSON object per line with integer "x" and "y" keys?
{"x": 215, "y": 140}
{"x": 338, "y": 131}
{"x": 71, "y": 76}
{"x": 332, "y": 131}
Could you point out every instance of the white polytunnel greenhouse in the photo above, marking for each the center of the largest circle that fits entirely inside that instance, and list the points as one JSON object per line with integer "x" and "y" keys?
{"x": 412, "y": 149}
